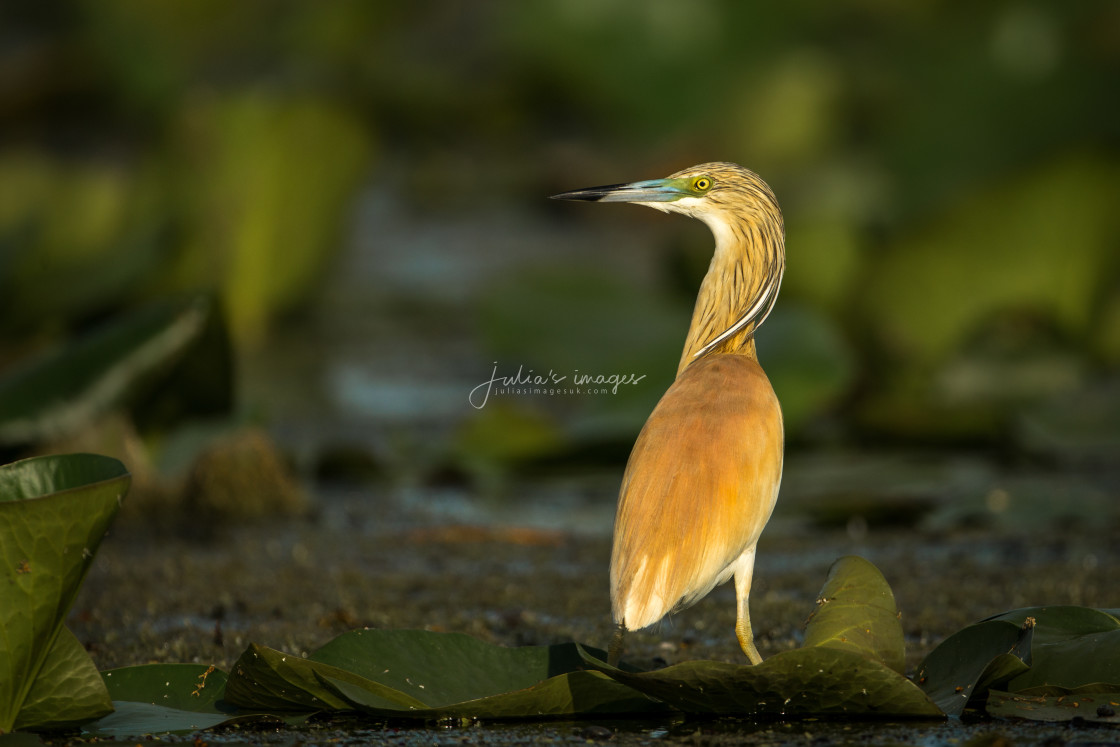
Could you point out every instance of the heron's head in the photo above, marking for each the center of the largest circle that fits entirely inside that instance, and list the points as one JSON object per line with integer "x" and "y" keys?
{"x": 717, "y": 193}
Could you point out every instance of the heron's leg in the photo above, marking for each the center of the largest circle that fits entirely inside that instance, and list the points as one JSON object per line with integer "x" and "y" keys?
{"x": 614, "y": 652}
{"x": 744, "y": 572}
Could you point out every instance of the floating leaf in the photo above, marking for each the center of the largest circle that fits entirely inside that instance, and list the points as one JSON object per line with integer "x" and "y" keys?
{"x": 574, "y": 693}
{"x": 133, "y": 719}
{"x": 273, "y": 680}
{"x": 67, "y": 690}
{"x": 1035, "y": 650}
{"x": 186, "y": 687}
{"x": 418, "y": 674}
{"x": 1102, "y": 708}
{"x": 1060, "y": 623}
{"x": 1074, "y": 648}
{"x": 818, "y": 681}
{"x": 857, "y": 612}
{"x": 167, "y": 699}
{"x": 847, "y": 667}
{"x": 982, "y": 655}
{"x": 54, "y": 512}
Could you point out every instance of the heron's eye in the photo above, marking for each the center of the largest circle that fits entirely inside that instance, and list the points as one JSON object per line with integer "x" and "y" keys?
{"x": 702, "y": 184}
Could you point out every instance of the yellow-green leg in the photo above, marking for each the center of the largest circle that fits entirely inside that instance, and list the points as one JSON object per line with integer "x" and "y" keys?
{"x": 744, "y": 572}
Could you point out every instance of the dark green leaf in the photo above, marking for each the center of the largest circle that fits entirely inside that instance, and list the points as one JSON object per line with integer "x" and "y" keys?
{"x": 138, "y": 719}
{"x": 438, "y": 669}
{"x": 1074, "y": 648}
{"x": 186, "y": 687}
{"x": 986, "y": 652}
{"x": 21, "y": 739}
{"x": 818, "y": 681}
{"x": 856, "y": 612}
{"x": 1092, "y": 659}
{"x": 1046, "y": 650}
{"x": 168, "y": 698}
{"x": 199, "y": 383}
{"x": 133, "y": 719}
{"x": 1060, "y": 623}
{"x": 1097, "y": 707}
{"x": 65, "y": 389}
{"x": 264, "y": 678}
{"x": 418, "y": 674}
{"x": 68, "y": 690}
{"x": 575, "y": 693}
{"x": 154, "y": 699}
{"x": 54, "y": 512}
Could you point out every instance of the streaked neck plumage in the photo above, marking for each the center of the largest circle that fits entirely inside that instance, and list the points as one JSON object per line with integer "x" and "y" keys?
{"x": 743, "y": 278}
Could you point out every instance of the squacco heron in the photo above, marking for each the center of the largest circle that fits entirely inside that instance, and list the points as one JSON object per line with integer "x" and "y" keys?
{"x": 703, "y": 477}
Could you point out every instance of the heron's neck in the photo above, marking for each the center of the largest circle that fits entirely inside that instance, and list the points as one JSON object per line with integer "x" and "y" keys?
{"x": 739, "y": 289}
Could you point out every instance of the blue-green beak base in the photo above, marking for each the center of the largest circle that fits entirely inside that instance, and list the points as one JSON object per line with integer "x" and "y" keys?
{"x": 656, "y": 190}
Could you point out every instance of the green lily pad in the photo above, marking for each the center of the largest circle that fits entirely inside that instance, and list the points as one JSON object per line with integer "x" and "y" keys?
{"x": 574, "y": 693}
{"x": 853, "y": 647}
{"x": 980, "y": 656}
{"x": 1074, "y": 648}
{"x": 54, "y": 512}
{"x": 856, "y": 612}
{"x": 185, "y": 687}
{"x": 272, "y": 680}
{"x": 1036, "y": 650}
{"x": 1101, "y": 708}
{"x": 1060, "y": 623}
{"x": 168, "y": 699}
{"x": 417, "y": 674}
{"x": 133, "y": 719}
{"x": 67, "y": 690}
{"x": 806, "y": 682}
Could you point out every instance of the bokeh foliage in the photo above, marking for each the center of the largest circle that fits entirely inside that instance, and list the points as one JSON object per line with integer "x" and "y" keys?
{"x": 947, "y": 174}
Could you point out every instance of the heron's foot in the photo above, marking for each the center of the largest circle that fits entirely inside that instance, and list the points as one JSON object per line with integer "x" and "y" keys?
{"x": 746, "y": 642}
{"x": 614, "y": 652}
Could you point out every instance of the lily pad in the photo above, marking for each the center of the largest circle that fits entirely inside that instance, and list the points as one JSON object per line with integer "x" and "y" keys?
{"x": 856, "y": 612}
{"x": 1074, "y": 648}
{"x": 980, "y": 656}
{"x": 168, "y": 699}
{"x": 570, "y": 694}
{"x": 67, "y": 690}
{"x": 806, "y": 682}
{"x": 1102, "y": 708}
{"x": 417, "y": 674}
{"x": 272, "y": 680}
{"x": 1036, "y": 650}
{"x": 847, "y": 667}
{"x": 54, "y": 512}
{"x": 185, "y": 687}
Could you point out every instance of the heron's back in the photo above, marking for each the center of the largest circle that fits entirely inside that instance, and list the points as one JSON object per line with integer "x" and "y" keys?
{"x": 699, "y": 488}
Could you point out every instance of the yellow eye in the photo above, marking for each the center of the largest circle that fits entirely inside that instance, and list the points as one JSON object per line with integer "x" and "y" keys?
{"x": 702, "y": 184}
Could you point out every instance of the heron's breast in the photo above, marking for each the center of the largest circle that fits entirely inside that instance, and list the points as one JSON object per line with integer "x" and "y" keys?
{"x": 705, "y": 469}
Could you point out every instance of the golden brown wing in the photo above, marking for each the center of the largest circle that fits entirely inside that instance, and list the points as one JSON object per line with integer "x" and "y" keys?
{"x": 698, "y": 489}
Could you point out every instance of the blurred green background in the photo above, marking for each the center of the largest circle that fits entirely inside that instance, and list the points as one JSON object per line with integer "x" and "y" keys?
{"x": 327, "y": 223}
